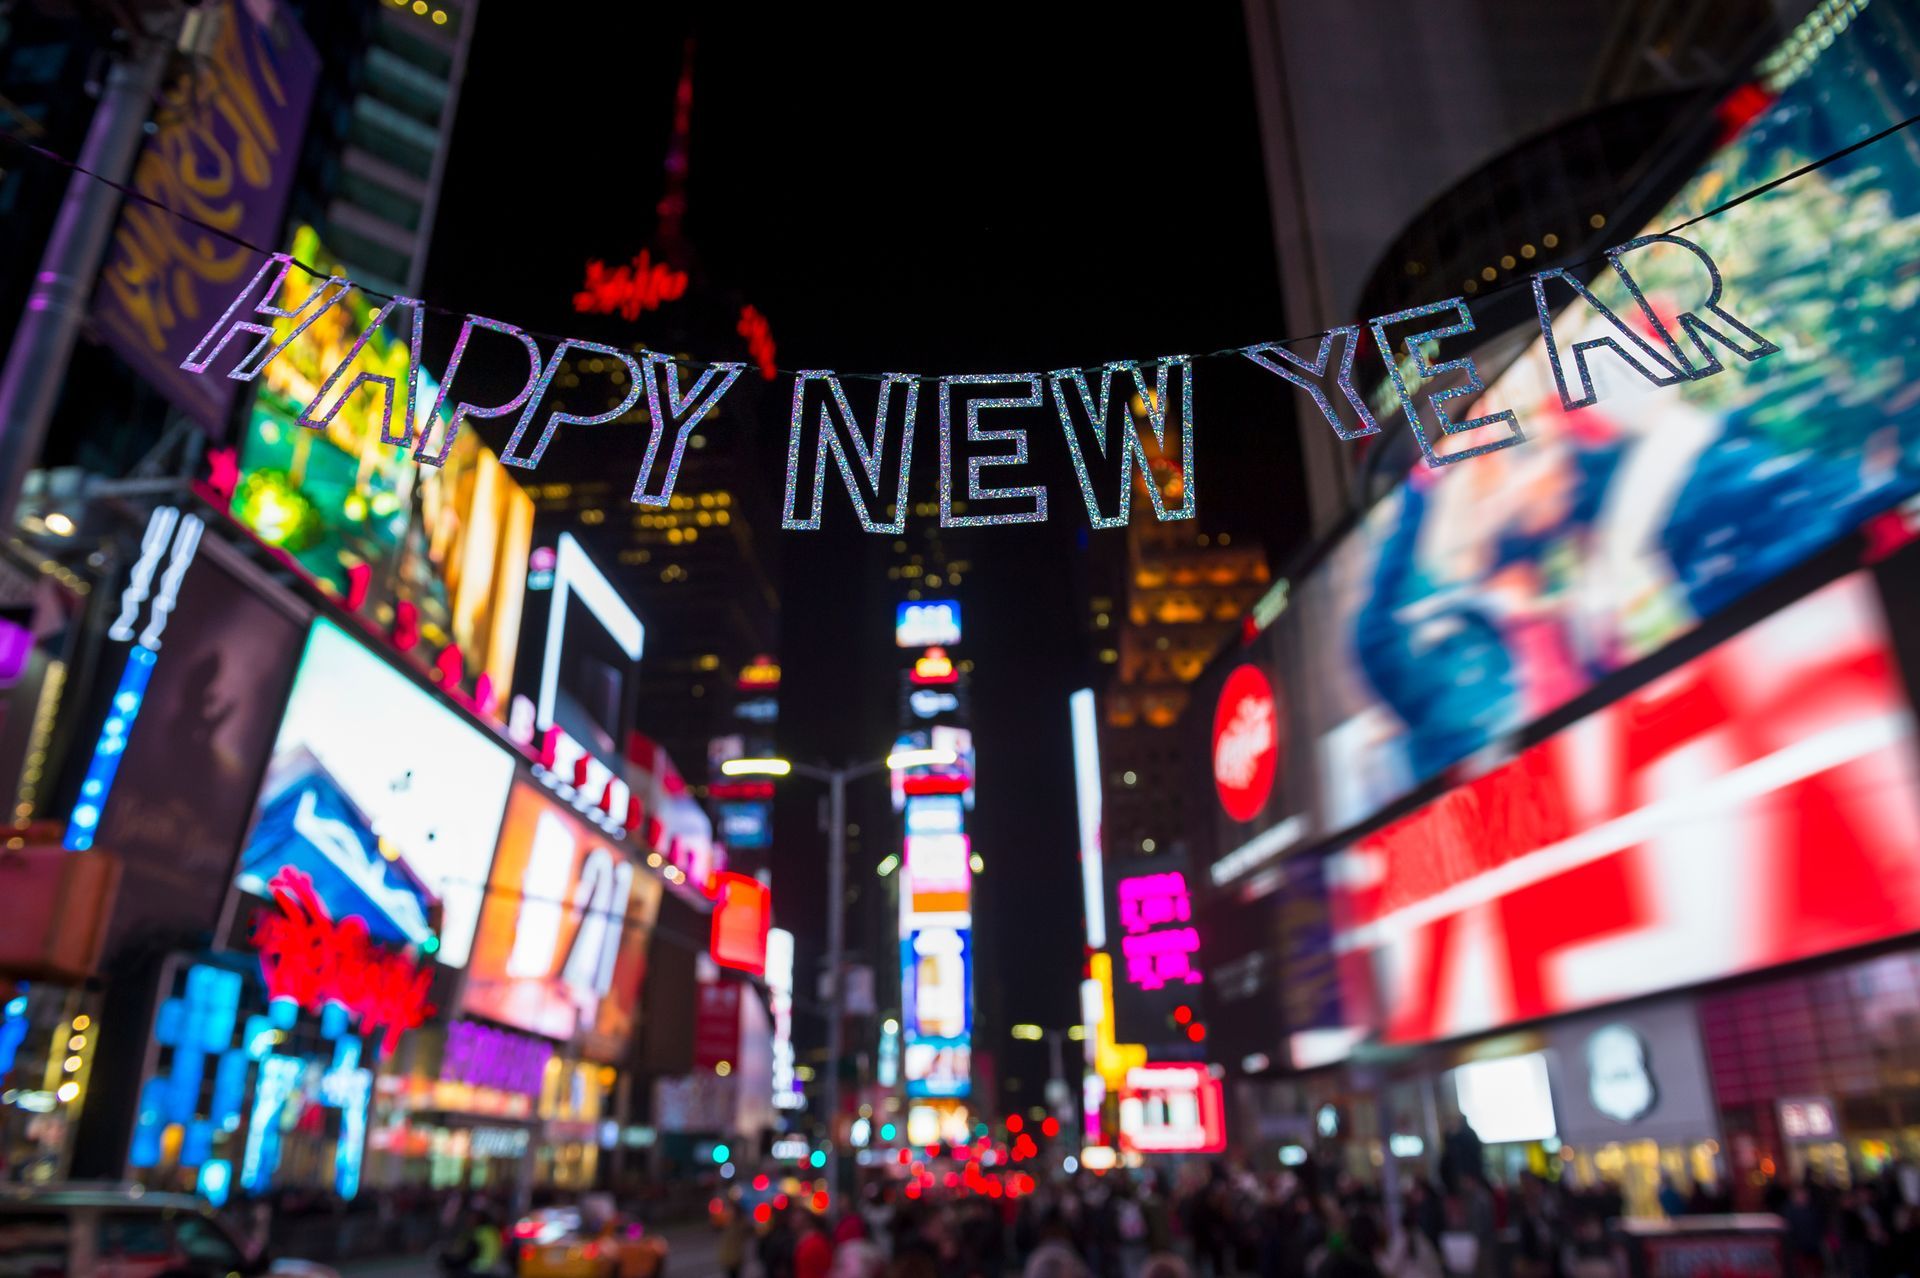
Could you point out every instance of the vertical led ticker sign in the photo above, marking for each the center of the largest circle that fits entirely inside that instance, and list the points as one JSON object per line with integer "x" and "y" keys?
{"x": 1086, "y": 787}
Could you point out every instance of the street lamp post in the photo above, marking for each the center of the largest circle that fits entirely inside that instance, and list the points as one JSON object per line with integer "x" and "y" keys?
{"x": 836, "y": 782}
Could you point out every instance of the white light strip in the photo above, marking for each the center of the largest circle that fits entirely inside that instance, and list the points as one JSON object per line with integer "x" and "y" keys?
{"x": 574, "y": 573}
{"x": 1086, "y": 787}
{"x": 1256, "y": 851}
{"x": 1805, "y": 758}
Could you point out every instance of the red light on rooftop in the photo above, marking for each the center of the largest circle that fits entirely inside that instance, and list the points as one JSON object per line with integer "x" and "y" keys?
{"x": 753, "y": 326}
{"x": 1182, "y": 1014}
{"x": 1197, "y": 1032}
{"x": 629, "y": 290}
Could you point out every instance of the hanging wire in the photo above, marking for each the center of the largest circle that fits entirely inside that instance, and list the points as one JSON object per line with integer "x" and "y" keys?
{"x": 54, "y": 157}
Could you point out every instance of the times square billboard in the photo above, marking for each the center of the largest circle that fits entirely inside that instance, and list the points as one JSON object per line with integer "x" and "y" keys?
{"x": 1472, "y": 632}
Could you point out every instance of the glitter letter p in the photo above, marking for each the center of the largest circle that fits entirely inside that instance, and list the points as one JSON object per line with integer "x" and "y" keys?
{"x": 464, "y": 410}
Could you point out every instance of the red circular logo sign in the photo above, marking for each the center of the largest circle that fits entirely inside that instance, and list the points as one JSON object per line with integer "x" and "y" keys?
{"x": 1246, "y": 743}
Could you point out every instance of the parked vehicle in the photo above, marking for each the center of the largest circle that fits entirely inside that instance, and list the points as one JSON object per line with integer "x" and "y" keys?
{"x": 106, "y": 1230}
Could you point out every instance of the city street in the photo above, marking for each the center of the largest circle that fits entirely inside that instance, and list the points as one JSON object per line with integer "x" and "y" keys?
{"x": 1353, "y": 713}
{"x": 693, "y": 1254}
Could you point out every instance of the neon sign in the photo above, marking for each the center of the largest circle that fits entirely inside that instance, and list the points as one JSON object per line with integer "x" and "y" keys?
{"x": 312, "y": 961}
{"x": 742, "y": 911}
{"x": 1172, "y": 1109}
{"x": 1246, "y": 743}
{"x": 629, "y": 290}
{"x": 753, "y": 326}
{"x": 918, "y": 625}
{"x": 1156, "y": 959}
{"x": 761, "y": 675}
{"x": 935, "y": 667}
{"x": 481, "y": 1056}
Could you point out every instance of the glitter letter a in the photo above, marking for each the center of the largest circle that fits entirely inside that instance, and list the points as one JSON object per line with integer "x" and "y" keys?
{"x": 269, "y": 298}
{"x": 557, "y": 419}
{"x": 1104, "y": 437}
{"x": 1742, "y": 341}
{"x": 385, "y": 381}
{"x": 1637, "y": 354}
{"x": 824, "y": 423}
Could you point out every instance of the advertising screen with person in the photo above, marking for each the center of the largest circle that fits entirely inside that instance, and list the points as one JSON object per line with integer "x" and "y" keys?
{"x": 384, "y": 798}
{"x": 1478, "y": 598}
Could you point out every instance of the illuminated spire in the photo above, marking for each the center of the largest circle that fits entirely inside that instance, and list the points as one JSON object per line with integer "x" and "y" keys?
{"x": 673, "y": 198}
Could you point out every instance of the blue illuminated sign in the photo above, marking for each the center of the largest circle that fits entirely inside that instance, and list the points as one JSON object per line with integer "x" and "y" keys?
{"x": 746, "y": 825}
{"x": 98, "y": 781}
{"x": 926, "y": 624}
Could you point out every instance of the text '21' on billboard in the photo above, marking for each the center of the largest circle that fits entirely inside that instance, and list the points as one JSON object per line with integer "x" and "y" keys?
{"x": 1757, "y": 805}
{"x": 386, "y": 800}
{"x": 1477, "y": 599}
{"x": 562, "y": 946}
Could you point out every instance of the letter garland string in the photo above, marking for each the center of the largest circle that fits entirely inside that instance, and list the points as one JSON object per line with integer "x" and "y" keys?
{"x": 1096, "y": 407}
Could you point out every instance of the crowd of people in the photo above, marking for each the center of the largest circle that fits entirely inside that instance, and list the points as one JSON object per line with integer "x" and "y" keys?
{"x": 1206, "y": 1221}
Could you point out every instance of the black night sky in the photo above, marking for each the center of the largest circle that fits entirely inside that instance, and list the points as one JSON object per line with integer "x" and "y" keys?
{"x": 1012, "y": 194}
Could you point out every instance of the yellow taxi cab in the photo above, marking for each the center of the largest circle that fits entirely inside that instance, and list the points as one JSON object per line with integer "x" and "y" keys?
{"x": 556, "y": 1242}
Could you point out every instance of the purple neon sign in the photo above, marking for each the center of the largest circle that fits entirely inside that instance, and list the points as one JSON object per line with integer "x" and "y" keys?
{"x": 481, "y": 1056}
{"x": 1156, "y": 959}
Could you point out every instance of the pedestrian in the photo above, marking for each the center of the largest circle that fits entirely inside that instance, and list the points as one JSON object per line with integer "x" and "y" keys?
{"x": 813, "y": 1253}
{"x": 732, "y": 1251}
{"x": 855, "y": 1258}
{"x": 1054, "y": 1260}
{"x": 777, "y": 1245}
{"x": 1354, "y": 1253}
{"x": 479, "y": 1248}
{"x": 1411, "y": 1254}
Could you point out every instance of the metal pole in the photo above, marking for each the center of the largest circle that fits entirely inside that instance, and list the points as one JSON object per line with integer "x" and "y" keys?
{"x": 36, "y": 365}
{"x": 836, "y": 946}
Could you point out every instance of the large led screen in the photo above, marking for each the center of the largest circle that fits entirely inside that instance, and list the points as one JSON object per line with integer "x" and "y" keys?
{"x": 1480, "y": 597}
{"x": 362, "y": 515}
{"x": 386, "y": 799}
{"x": 563, "y": 941}
{"x": 1756, "y": 805}
{"x": 937, "y": 978}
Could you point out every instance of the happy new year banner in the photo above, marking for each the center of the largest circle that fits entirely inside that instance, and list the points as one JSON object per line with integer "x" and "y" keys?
{"x": 866, "y": 449}
{"x": 1118, "y": 422}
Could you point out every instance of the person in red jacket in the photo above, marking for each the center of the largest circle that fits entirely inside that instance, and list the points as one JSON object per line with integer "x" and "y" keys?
{"x": 813, "y": 1256}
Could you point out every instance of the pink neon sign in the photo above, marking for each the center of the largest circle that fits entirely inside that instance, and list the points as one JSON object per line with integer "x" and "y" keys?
{"x": 1156, "y": 959}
